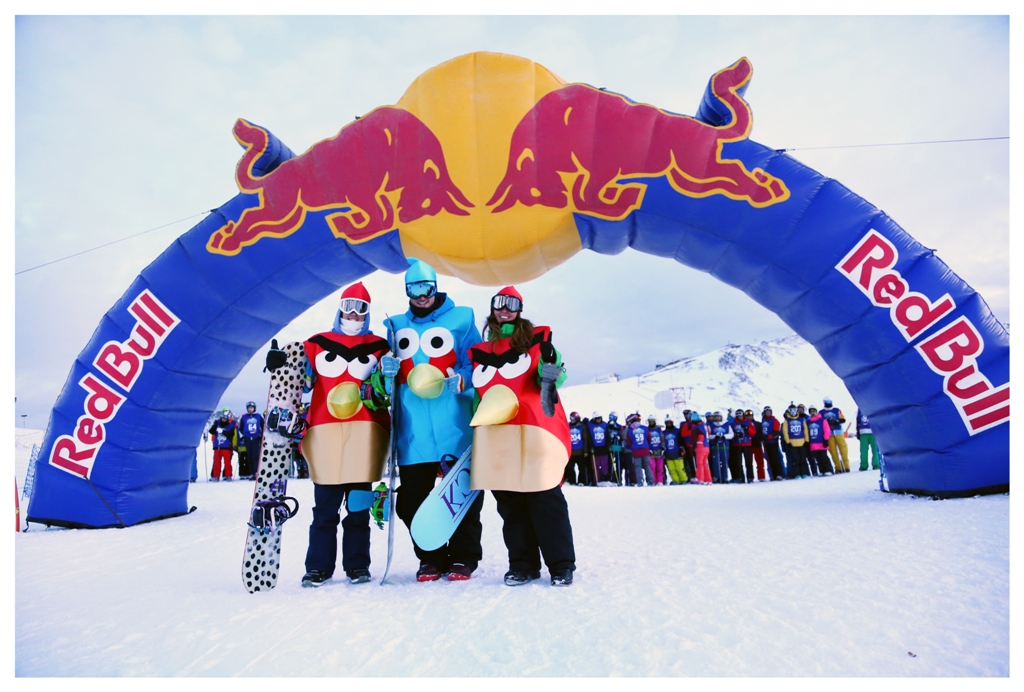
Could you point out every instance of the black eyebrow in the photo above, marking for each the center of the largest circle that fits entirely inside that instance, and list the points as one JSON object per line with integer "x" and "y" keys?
{"x": 494, "y": 360}
{"x": 349, "y": 353}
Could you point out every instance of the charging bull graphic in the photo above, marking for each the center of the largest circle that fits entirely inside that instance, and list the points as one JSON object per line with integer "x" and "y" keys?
{"x": 384, "y": 168}
{"x": 579, "y": 145}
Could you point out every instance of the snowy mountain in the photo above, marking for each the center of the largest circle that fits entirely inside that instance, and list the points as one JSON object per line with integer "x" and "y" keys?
{"x": 770, "y": 373}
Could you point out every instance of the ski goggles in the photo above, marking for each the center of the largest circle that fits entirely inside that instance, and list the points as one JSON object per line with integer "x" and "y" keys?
{"x": 510, "y": 303}
{"x": 420, "y": 289}
{"x": 356, "y": 305}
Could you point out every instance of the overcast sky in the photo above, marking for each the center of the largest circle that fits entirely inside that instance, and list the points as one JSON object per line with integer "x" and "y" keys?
{"x": 124, "y": 124}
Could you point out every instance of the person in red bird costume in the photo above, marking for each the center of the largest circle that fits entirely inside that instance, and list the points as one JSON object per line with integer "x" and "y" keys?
{"x": 521, "y": 440}
{"x": 346, "y": 444}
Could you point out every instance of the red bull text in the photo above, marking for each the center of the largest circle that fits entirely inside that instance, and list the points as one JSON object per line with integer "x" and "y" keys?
{"x": 122, "y": 363}
{"x": 951, "y": 352}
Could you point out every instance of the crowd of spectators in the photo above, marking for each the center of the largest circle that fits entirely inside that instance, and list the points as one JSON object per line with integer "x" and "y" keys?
{"x": 708, "y": 448}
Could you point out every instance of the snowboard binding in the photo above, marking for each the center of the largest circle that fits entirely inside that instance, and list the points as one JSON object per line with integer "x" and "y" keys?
{"x": 285, "y": 423}
{"x": 269, "y": 515}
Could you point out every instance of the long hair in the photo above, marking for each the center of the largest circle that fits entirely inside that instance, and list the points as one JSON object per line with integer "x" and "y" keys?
{"x": 522, "y": 333}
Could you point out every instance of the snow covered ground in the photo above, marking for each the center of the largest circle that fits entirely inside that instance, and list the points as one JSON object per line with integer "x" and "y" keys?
{"x": 817, "y": 577}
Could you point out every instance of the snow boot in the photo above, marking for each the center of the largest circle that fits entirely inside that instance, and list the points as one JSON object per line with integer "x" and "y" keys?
{"x": 562, "y": 577}
{"x": 427, "y": 573}
{"x": 459, "y": 572}
{"x": 358, "y": 576}
{"x": 314, "y": 578}
{"x": 518, "y": 578}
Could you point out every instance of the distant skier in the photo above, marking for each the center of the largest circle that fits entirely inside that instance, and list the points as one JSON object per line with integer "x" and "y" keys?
{"x": 867, "y": 442}
{"x": 673, "y": 454}
{"x": 639, "y": 442}
{"x": 818, "y": 433}
{"x": 657, "y": 439}
{"x": 434, "y": 379}
{"x": 837, "y": 440}
{"x": 618, "y": 451}
{"x": 579, "y": 457}
{"x": 224, "y": 432}
{"x": 794, "y": 432}
{"x": 699, "y": 441}
{"x": 250, "y": 429}
{"x": 599, "y": 446}
{"x": 686, "y": 447}
{"x": 721, "y": 435}
{"x": 757, "y": 446}
{"x": 771, "y": 430}
{"x": 740, "y": 453}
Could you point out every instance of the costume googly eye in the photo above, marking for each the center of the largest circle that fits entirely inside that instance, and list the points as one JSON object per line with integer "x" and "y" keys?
{"x": 408, "y": 341}
{"x": 437, "y": 342}
{"x": 329, "y": 364}
{"x": 362, "y": 366}
{"x": 482, "y": 374}
{"x": 511, "y": 371}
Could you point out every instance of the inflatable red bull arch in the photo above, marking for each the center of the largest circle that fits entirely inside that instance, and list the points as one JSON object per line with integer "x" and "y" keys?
{"x": 494, "y": 170}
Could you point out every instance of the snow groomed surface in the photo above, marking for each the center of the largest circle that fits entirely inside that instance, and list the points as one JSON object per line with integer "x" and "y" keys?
{"x": 822, "y": 577}
{"x": 552, "y": 168}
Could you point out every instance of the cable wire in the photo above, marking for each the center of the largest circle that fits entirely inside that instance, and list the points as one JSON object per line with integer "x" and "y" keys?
{"x": 892, "y": 144}
{"x": 112, "y": 242}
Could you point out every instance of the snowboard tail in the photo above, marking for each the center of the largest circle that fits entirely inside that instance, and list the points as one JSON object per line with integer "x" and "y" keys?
{"x": 445, "y": 507}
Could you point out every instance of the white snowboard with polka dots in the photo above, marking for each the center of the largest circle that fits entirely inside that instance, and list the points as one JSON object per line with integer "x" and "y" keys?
{"x": 263, "y": 550}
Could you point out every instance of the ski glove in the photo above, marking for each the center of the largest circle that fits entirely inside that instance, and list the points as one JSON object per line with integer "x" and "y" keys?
{"x": 548, "y": 396}
{"x": 453, "y": 382}
{"x": 389, "y": 366}
{"x": 275, "y": 357}
{"x": 547, "y": 352}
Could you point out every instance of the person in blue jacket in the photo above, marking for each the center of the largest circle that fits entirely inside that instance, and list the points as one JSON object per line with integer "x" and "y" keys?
{"x": 638, "y": 440}
{"x": 721, "y": 434}
{"x": 250, "y": 434}
{"x": 580, "y": 453}
{"x": 433, "y": 373}
{"x": 599, "y": 445}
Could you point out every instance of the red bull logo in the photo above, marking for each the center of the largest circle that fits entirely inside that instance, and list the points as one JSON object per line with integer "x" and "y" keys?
{"x": 512, "y": 133}
{"x": 372, "y": 185}
{"x": 584, "y": 148}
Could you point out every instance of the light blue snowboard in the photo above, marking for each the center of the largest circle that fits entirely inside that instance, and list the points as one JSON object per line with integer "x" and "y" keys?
{"x": 445, "y": 506}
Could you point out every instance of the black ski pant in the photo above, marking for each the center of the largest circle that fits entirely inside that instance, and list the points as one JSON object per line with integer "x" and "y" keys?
{"x": 624, "y": 463}
{"x": 249, "y": 456}
{"x": 821, "y": 462}
{"x": 689, "y": 462}
{"x": 797, "y": 461}
{"x": 771, "y": 450}
{"x": 578, "y": 458}
{"x": 740, "y": 455}
{"x": 322, "y": 553}
{"x": 464, "y": 545}
{"x": 535, "y": 525}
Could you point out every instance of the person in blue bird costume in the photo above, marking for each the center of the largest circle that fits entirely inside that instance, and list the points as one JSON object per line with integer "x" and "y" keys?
{"x": 433, "y": 373}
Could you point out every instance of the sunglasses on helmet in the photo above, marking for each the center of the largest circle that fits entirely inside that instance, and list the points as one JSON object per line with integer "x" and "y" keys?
{"x": 420, "y": 289}
{"x": 360, "y": 307}
{"x": 510, "y": 303}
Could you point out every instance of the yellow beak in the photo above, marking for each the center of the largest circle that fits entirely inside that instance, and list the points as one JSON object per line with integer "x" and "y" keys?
{"x": 426, "y": 381}
{"x": 498, "y": 405}
{"x": 343, "y": 401}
